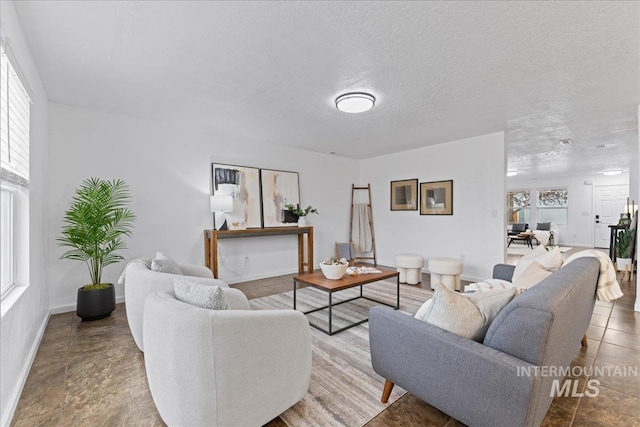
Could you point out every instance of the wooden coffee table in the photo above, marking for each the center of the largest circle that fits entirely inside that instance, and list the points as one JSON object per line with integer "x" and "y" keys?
{"x": 318, "y": 281}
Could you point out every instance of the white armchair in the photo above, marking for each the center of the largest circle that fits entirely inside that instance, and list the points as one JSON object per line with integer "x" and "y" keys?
{"x": 140, "y": 281}
{"x": 224, "y": 367}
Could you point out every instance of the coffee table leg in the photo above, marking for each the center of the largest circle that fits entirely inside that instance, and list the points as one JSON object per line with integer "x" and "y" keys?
{"x": 294, "y": 294}
{"x": 330, "y": 294}
{"x": 398, "y": 285}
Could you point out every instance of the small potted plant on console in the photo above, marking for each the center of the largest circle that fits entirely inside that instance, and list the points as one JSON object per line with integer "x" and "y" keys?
{"x": 293, "y": 213}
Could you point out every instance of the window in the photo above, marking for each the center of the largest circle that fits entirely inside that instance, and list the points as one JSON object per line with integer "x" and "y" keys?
{"x": 14, "y": 174}
{"x": 518, "y": 206}
{"x": 553, "y": 204}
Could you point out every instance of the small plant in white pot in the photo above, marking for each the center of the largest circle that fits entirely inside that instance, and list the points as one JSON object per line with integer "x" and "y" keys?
{"x": 94, "y": 227}
{"x": 300, "y": 214}
{"x": 623, "y": 249}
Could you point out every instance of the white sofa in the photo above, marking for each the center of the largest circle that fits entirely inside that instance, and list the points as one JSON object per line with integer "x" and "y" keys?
{"x": 224, "y": 367}
{"x": 140, "y": 281}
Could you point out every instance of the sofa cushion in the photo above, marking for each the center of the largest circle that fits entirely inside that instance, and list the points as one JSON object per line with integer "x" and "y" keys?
{"x": 531, "y": 276}
{"x": 467, "y": 315}
{"x": 203, "y": 296}
{"x": 164, "y": 264}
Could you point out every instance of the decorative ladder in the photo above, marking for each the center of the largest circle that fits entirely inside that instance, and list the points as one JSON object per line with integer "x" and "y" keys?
{"x": 373, "y": 236}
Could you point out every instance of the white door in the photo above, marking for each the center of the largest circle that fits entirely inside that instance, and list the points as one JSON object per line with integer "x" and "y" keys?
{"x": 609, "y": 203}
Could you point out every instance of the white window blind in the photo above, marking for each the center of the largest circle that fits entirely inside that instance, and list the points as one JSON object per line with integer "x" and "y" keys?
{"x": 14, "y": 126}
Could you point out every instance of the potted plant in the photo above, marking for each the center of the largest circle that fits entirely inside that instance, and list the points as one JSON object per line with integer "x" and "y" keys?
{"x": 94, "y": 227}
{"x": 623, "y": 249}
{"x": 293, "y": 213}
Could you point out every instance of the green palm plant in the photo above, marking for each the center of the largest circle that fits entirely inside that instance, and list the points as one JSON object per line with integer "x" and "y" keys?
{"x": 95, "y": 225}
{"x": 623, "y": 243}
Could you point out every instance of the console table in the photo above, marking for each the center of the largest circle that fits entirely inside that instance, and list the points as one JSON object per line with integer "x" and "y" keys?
{"x": 305, "y": 263}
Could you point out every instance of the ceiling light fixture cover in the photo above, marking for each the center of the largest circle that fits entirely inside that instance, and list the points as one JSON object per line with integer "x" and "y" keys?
{"x": 612, "y": 172}
{"x": 355, "y": 102}
{"x": 565, "y": 141}
{"x": 512, "y": 173}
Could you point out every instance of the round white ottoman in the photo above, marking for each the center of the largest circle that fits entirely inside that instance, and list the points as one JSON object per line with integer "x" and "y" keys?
{"x": 410, "y": 268}
{"x": 445, "y": 271}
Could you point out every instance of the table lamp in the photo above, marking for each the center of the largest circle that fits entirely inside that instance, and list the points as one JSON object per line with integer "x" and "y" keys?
{"x": 220, "y": 204}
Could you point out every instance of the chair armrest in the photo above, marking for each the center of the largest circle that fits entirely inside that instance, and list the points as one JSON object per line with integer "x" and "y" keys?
{"x": 196, "y": 270}
{"x": 236, "y": 299}
{"x": 476, "y": 384}
{"x": 267, "y": 347}
{"x": 218, "y": 363}
{"x": 503, "y": 271}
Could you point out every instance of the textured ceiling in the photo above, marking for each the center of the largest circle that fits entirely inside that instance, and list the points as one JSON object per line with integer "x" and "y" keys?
{"x": 270, "y": 71}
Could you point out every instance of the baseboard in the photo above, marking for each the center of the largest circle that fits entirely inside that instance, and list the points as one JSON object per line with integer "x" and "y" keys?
{"x": 66, "y": 308}
{"x": 24, "y": 373}
{"x": 263, "y": 275}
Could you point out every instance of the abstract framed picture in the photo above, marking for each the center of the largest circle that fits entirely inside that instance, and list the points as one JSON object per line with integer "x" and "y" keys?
{"x": 279, "y": 188}
{"x": 243, "y": 183}
{"x": 436, "y": 198}
{"x": 404, "y": 195}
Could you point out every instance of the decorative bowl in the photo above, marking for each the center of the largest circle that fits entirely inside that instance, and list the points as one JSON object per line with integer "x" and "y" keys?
{"x": 333, "y": 271}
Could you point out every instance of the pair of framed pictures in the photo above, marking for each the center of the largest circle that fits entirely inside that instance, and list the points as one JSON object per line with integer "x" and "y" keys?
{"x": 436, "y": 198}
{"x": 259, "y": 195}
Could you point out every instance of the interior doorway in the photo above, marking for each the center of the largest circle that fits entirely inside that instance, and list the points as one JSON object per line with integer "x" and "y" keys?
{"x": 609, "y": 203}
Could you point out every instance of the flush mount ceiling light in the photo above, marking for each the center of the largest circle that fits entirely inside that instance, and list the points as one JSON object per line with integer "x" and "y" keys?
{"x": 565, "y": 141}
{"x": 355, "y": 102}
{"x": 512, "y": 173}
{"x": 612, "y": 172}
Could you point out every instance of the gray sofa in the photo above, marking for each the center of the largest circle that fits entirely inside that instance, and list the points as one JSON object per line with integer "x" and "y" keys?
{"x": 479, "y": 383}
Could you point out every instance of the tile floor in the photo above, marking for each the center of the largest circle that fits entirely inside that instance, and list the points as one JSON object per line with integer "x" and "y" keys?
{"x": 91, "y": 374}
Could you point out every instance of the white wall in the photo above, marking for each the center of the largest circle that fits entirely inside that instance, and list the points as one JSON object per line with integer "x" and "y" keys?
{"x": 475, "y": 231}
{"x": 25, "y": 310}
{"x": 168, "y": 167}
{"x": 579, "y": 230}
{"x": 637, "y": 192}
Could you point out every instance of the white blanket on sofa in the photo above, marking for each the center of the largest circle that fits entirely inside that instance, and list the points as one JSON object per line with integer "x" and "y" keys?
{"x": 608, "y": 287}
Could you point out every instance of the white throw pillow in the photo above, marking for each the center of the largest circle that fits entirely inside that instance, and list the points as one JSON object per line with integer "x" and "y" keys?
{"x": 549, "y": 260}
{"x": 164, "y": 264}
{"x": 424, "y": 310}
{"x": 533, "y": 275}
{"x": 200, "y": 295}
{"x": 467, "y": 315}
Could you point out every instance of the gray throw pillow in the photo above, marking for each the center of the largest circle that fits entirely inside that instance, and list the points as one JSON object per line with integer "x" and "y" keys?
{"x": 164, "y": 264}
{"x": 543, "y": 226}
{"x": 203, "y": 296}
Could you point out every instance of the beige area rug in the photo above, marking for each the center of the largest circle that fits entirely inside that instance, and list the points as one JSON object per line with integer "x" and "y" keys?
{"x": 344, "y": 390}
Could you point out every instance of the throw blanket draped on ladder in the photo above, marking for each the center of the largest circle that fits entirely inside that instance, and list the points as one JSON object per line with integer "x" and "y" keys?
{"x": 361, "y": 228}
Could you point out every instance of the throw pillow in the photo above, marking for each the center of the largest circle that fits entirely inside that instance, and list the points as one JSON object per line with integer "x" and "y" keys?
{"x": 467, "y": 315}
{"x": 533, "y": 275}
{"x": 164, "y": 264}
{"x": 543, "y": 226}
{"x": 424, "y": 310}
{"x": 550, "y": 261}
{"x": 203, "y": 296}
{"x": 488, "y": 285}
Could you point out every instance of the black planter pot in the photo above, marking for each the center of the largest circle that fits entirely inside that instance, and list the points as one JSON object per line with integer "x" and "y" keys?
{"x": 289, "y": 217}
{"x": 96, "y": 304}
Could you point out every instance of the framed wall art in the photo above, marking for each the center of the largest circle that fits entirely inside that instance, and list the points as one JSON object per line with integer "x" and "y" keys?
{"x": 279, "y": 188}
{"x": 243, "y": 183}
{"x": 436, "y": 198}
{"x": 404, "y": 195}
